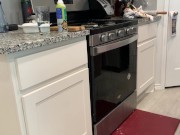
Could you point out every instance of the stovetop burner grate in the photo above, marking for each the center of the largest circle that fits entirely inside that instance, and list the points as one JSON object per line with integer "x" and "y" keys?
{"x": 97, "y": 26}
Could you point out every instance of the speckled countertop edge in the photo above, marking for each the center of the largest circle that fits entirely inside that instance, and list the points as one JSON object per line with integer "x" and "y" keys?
{"x": 143, "y": 21}
{"x": 17, "y": 41}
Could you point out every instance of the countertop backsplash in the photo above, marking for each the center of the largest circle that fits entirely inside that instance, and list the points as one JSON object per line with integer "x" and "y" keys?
{"x": 146, "y": 4}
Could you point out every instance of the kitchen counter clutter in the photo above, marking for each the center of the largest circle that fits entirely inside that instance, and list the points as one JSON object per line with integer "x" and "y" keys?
{"x": 17, "y": 41}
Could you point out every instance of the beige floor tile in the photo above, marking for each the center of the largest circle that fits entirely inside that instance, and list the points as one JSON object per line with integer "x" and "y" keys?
{"x": 177, "y": 131}
{"x": 164, "y": 102}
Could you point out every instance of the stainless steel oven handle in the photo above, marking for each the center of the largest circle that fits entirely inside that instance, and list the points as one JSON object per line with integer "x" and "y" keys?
{"x": 111, "y": 46}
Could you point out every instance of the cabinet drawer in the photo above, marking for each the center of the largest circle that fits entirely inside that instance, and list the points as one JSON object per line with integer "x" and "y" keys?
{"x": 39, "y": 67}
{"x": 146, "y": 32}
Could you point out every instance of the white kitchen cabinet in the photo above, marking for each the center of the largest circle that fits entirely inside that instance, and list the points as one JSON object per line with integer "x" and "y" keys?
{"x": 146, "y": 58}
{"x": 60, "y": 108}
{"x": 146, "y": 64}
{"x": 46, "y": 92}
{"x": 39, "y": 67}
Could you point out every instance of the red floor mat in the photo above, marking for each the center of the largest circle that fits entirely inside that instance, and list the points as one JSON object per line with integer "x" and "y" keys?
{"x": 145, "y": 123}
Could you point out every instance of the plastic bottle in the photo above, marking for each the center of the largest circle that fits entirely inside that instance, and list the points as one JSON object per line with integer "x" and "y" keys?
{"x": 26, "y": 9}
{"x": 61, "y": 15}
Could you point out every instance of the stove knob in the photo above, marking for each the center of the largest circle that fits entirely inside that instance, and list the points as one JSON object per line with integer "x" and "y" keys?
{"x": 104, "y": 38}
{"x": 131, "y": 30}
{"x": 120, "y": 33}
{"x": 128, "y": 31}
{"x": 111, "y": 36}
{"x": 134, "y": 30}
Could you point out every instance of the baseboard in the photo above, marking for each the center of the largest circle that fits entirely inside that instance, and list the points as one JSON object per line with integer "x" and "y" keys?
{"x": 159, "y": 87}
{"x": 148, "y": 90}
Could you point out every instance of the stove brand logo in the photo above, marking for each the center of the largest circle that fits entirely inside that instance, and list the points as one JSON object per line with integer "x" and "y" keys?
{"x": 118, "y": 97}
{"x": 129, "y": 76}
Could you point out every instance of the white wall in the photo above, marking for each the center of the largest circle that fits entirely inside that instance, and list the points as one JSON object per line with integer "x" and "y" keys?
{"x": 159, "y": 50}
{"x": 151, "y": 4}
{"x": 12, "y": 10}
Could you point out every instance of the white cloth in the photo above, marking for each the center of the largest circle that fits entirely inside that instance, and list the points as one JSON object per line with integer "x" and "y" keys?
{"x": 131, "y": 14}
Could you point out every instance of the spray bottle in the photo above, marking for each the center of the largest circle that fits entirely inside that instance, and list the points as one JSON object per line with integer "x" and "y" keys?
{"x": 61, "y": 15}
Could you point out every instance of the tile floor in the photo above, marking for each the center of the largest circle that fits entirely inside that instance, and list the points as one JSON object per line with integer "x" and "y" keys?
{"x": 165, "y": 102}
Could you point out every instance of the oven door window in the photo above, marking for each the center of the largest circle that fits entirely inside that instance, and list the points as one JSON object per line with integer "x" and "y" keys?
{"x": 113, "y": 78}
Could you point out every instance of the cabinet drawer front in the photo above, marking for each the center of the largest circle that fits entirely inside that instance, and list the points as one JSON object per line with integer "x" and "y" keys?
{"x": 145, "y": 65}
{"x": 60, "y": 108}
{"x": 39, "y": 67}
{"x": 146, "y": 32}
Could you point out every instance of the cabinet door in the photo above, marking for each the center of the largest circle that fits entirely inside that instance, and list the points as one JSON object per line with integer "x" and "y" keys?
{"x": 60, "y": 108}
{"x": 147, "y": 32}
{"x": 145, "y": 65}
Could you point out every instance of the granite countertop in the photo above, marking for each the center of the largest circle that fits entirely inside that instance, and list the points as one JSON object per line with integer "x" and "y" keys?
{"x": 17, "y": 41}
{"x": 143, "y": 21}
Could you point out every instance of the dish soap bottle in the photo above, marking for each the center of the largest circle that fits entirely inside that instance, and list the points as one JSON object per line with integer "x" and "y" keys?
{"x": 61, "y": 15}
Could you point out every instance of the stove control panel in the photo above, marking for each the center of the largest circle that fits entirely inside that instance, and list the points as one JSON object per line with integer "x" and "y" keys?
{"x": 108, "y": 36}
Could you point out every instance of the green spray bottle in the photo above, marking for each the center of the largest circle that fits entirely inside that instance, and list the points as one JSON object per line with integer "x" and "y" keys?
{"x": 61, "y": 15}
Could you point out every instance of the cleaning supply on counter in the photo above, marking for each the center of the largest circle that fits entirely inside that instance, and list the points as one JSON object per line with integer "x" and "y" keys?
{"x": 3, "y": 23}
{"x": 26, "y": 10}
{"x": 61, "y": 15}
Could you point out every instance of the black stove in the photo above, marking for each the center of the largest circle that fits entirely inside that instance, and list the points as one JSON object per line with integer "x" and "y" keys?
{"x": 107, "y": 30}
{"x": 97, "y": 26}
{"x": 112, "y": 52}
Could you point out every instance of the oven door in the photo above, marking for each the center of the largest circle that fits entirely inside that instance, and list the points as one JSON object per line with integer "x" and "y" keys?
{"x": 112, "y": 75}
